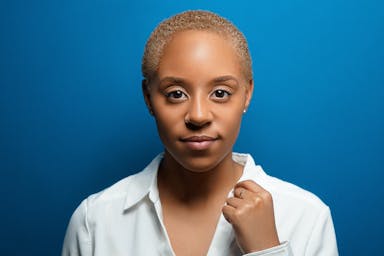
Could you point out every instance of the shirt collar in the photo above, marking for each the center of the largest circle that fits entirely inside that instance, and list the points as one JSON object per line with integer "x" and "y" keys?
{"x": 145, "y": 182}
{"x": 142, "y": 183}
{"x": 251, "y": 170}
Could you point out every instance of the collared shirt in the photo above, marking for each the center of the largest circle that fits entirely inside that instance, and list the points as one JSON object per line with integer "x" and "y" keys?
{"x": 126, "y": 219}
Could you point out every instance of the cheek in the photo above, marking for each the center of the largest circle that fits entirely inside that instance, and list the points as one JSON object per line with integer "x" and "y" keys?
{"x": 164, "y": 121}
{"x": 229, "y": 121}
{"x": 234, "y": 125}
{"x": 169, "y": 121}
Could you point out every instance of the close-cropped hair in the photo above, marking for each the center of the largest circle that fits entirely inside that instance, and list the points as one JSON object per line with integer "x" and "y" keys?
{"x": 193, "y": 20}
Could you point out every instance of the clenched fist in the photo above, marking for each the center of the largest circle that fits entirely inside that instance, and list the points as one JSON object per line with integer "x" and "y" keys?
{"x": 251, "y": 214}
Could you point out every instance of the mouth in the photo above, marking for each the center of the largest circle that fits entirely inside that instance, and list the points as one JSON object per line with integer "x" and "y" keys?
{"x": 198, "y": 143}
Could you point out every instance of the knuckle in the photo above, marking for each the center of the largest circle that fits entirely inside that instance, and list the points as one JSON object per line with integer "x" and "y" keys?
{"x": 249, "y": 183}
{"x": 237, "y": 215}
{"x": 267, "y": 195}
{"x": 250, "y": 207}
{"x": 257, "y": 201}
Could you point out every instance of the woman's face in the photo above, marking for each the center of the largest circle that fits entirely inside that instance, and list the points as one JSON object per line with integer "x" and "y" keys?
{"x": 198, "y": 98}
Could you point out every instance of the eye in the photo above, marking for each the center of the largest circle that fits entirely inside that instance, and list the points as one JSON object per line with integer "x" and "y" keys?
{"x": 221, "y": 94}
{"x": 176, "y": 95}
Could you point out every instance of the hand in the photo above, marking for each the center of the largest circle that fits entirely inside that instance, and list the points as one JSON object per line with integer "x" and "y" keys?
{"x": 251, "y": 214}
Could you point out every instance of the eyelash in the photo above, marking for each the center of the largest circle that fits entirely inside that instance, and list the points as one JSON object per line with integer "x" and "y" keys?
{"x": 223, "y": 91}
{"x": 171, "y": 95}
{"x": 179, "y": 95}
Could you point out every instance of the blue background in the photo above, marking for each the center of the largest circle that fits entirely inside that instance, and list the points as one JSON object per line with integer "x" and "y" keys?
{"x": 73, "y": 120}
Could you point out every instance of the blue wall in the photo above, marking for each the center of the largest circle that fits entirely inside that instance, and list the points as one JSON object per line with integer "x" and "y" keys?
{"x": 73, "y": 120}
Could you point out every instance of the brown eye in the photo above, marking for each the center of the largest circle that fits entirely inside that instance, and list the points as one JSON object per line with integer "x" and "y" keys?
{"x": 176, "y": 96}
{"x": 220, "y": 94}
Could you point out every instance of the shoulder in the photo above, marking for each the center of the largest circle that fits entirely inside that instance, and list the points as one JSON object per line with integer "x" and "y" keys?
{"x": 110, "y": 198}
{"x": 100, "y": 211}
{"x": 113, "y": 193}
{"x": 279, "y": 188}
{"x": 287, "y": 196}
{"x": 302, "y": 218}
{"x": 292, "y": 193}
{"x": 127, "y": 191}
{"x": 298, "y": 212}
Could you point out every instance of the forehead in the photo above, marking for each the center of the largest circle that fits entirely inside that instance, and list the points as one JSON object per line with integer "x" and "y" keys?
{"x": 199, "y": 54}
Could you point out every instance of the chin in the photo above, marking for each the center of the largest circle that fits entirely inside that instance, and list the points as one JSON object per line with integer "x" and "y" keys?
{"x": 199, "y": 162}
{"x": 199, "y": 167}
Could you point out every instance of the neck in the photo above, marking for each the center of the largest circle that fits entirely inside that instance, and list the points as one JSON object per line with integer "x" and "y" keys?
{"x": 190, "y": 187}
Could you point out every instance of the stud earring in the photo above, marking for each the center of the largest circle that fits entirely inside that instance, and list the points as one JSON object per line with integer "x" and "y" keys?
{"x": 244, "y": 111}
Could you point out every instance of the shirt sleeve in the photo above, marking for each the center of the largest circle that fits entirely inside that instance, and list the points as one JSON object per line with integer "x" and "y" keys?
{"x": 323, "y": 239}
{"x": 281, "y": 250}
{"x": 77, "y": 241}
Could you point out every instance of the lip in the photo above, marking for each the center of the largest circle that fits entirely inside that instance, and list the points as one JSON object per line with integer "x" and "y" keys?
{"x": 202, "y": 142}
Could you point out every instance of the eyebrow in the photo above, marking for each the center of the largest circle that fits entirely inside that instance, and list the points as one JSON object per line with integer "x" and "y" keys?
{"x": 221, "y": 79}
{"x": 178, "y": 80}
{"x": 172, "y": 79}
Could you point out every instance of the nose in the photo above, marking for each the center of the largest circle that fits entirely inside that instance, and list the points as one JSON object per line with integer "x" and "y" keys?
{"x": 199, "y": 114}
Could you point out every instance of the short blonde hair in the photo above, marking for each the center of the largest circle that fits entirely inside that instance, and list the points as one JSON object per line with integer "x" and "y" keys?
{"x": 193, "y": 20}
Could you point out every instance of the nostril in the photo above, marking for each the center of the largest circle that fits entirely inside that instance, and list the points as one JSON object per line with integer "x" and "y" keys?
{"x": 193, "y": 127}
{"x": 196, "y": 126}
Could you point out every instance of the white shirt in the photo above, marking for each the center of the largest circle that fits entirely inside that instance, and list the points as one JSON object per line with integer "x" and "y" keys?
{"x": 126, "y": 219}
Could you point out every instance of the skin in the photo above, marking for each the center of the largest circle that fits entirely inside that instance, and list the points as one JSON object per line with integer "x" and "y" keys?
{"x": 197, "y": 98}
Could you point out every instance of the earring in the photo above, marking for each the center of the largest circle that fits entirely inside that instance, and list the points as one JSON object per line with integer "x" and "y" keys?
{"x": 245, "y": 111}
{"x": 150, "y": 111}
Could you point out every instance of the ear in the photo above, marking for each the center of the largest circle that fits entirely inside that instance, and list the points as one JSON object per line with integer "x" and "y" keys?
{"x": 248, "y": 93}
{"x": 146, "y": 94}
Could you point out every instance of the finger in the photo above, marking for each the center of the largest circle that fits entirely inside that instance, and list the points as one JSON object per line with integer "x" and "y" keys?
{"x": 228, "y": 212}
{"x": 243, "y": 193}
{"x": 234, "y": 202}
{"x": 250, "y": 185}
{"x": 253, "y": 188}
{"x": 239, "y": 192}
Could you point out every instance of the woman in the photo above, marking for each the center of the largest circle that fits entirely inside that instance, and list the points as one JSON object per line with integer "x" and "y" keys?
{"x": 198, "y": 197}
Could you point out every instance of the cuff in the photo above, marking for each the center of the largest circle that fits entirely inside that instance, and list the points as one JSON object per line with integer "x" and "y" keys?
{"x": 281, "y": 250}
